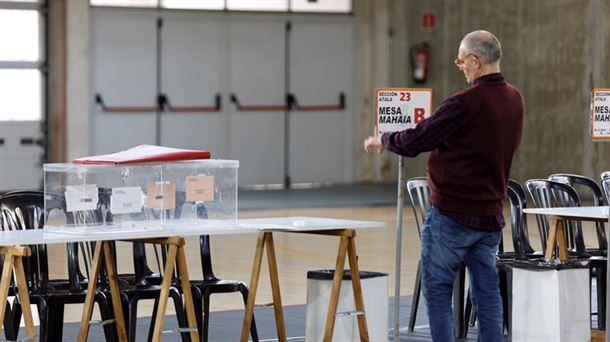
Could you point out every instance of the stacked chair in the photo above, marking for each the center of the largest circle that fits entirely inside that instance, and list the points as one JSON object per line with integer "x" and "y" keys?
{"x": 566, "y": 190}
{"x": 522, "y": 250}
{"x": 419, "y": 195}
{"x": 25, "y": 210}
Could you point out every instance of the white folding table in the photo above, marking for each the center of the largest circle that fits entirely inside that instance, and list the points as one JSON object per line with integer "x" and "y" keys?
{"x": 174, "y": 239}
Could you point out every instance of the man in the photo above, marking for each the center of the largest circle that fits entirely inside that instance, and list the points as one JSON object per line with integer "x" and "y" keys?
{"x": 473, "y": 136}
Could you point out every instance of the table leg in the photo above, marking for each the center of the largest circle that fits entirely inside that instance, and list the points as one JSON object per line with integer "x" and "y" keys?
{"x": 5, "y": 283}
{"x": 24, "y": 298}
{"x": 113, "y": 281}
{"x": 557, "y": 239}
{"x": 188, "y": 296}
{"x": 561, "y": 241}
{"x": 91, "y": 289}
{"x": 13, "y": 261}
{"x": 356, "y": 286}
{"x": 165, "y": 284}
{"x": 336, "y": 287}
{"x": 552, "y": 240}
{"x": 275, "y": 289}
{"x": 256, "y": 271}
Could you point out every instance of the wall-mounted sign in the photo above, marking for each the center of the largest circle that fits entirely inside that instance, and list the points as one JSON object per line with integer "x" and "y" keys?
{"x": 600, "y": 114}
{"x": 401, "y": 108}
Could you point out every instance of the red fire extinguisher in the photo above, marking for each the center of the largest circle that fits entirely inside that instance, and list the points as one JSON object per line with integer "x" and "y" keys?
{"x": 420, "y": 58}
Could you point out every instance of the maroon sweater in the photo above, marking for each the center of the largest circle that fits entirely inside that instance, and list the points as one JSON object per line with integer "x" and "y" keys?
{"x": 473, "y": 135}
{"x": 469, "y": 173}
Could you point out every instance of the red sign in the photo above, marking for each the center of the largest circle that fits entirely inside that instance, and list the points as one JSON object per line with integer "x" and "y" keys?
{"x": 428, "y": 21}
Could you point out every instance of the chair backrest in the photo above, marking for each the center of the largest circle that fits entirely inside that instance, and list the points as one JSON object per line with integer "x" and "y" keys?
{"x": 582, "y": 184}
{"x": 419, "y": 196}
{"x": 519, "y": 231}
{"x": 587, "y": 187}
{"x": 547, "y": 194}
{"x": 605, "y": 174}
{"x": 606, "y": 187}
{"x": 20, "y": 210}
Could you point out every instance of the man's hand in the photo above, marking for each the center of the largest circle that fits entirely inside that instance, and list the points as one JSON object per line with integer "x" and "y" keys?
{"x": 373, "y": 143}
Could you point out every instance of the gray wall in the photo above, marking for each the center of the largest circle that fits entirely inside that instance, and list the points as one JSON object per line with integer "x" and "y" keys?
{"x": 555, "y": 51}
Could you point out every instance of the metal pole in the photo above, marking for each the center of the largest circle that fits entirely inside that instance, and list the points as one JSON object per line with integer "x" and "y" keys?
{"x": 399, "y": 207}
{"x": 608, "y": 282}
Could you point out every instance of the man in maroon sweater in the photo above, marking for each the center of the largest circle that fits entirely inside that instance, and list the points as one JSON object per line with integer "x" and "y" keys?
{"x": 473, "y": 136}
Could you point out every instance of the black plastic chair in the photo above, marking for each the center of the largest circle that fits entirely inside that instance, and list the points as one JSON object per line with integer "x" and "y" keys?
{"x": 201, "y": 289}
{"x": 587, "y": 187}
{"x": 145, "y": 284}
{"x": 547, "y": 194}
{"x": 517, "y": 198}
{"x": 419, "y": 195}
{"x": 210, "y": 284}
{"x": 26, "y": 210}
{"x": 521, "y": 247}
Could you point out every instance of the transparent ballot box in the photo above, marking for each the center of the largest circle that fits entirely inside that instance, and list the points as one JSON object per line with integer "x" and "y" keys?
{"x": 152, "y": 196}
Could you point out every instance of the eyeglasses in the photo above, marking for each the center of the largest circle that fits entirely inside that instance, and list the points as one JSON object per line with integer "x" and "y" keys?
{"x": 459, "y": 61}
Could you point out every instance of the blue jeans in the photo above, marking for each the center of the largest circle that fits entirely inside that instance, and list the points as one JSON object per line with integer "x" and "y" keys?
{"x": 445, "y": 245}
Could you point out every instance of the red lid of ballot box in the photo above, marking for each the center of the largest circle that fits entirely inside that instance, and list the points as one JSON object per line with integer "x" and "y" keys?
{"x": 144, "y": 154}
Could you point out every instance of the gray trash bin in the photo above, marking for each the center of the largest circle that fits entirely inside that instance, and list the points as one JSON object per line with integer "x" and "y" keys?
{"x": 549, "y": 301}
{"x": 375, "y": 295}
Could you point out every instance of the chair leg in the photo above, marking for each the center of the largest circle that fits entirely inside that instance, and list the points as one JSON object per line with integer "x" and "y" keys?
{"x": 468, "y": 312}
{"x": 106, "y": 312}
{"x": 601, "y": 297}
{"x": 45, "y": 330}
{"x": 244, "y": 293}
{"x": 458, "y": 302}
{"x": 133, "y": 318}
{"x": 415, "y": 298}
{"x": 153, "y": 319}
{"x": 506, "y": 294}
{"x": 180, "y": 313}
{"x": 198, "y": 303}
{"x": 12, "y": 317}
{"x": 206, "y": 315}
{"x": 55, "y": 321}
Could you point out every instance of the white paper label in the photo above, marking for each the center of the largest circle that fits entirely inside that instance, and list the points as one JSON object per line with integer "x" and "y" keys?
{"x": 126, "y": 200}
{"x": 81, "y": 197}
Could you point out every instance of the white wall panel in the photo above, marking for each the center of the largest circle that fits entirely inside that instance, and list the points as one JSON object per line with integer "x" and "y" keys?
{"x": 321, "y": 66}
{"x": 124, "y": 67}
{"x": 193, "y": 64}
{"x": 20, "y": 165}
{"x": 202, "y": 54}
{"x": 257, "y": 78}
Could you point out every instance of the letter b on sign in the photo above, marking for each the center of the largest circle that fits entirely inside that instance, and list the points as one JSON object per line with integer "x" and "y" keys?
{"x": 418, "y": 113}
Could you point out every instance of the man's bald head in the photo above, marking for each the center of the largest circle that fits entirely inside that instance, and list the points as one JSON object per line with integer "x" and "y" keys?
{"x": 483, "y": 44}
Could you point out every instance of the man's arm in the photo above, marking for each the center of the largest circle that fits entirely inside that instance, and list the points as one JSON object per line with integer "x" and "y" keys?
{"x": 449, "y": 117}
